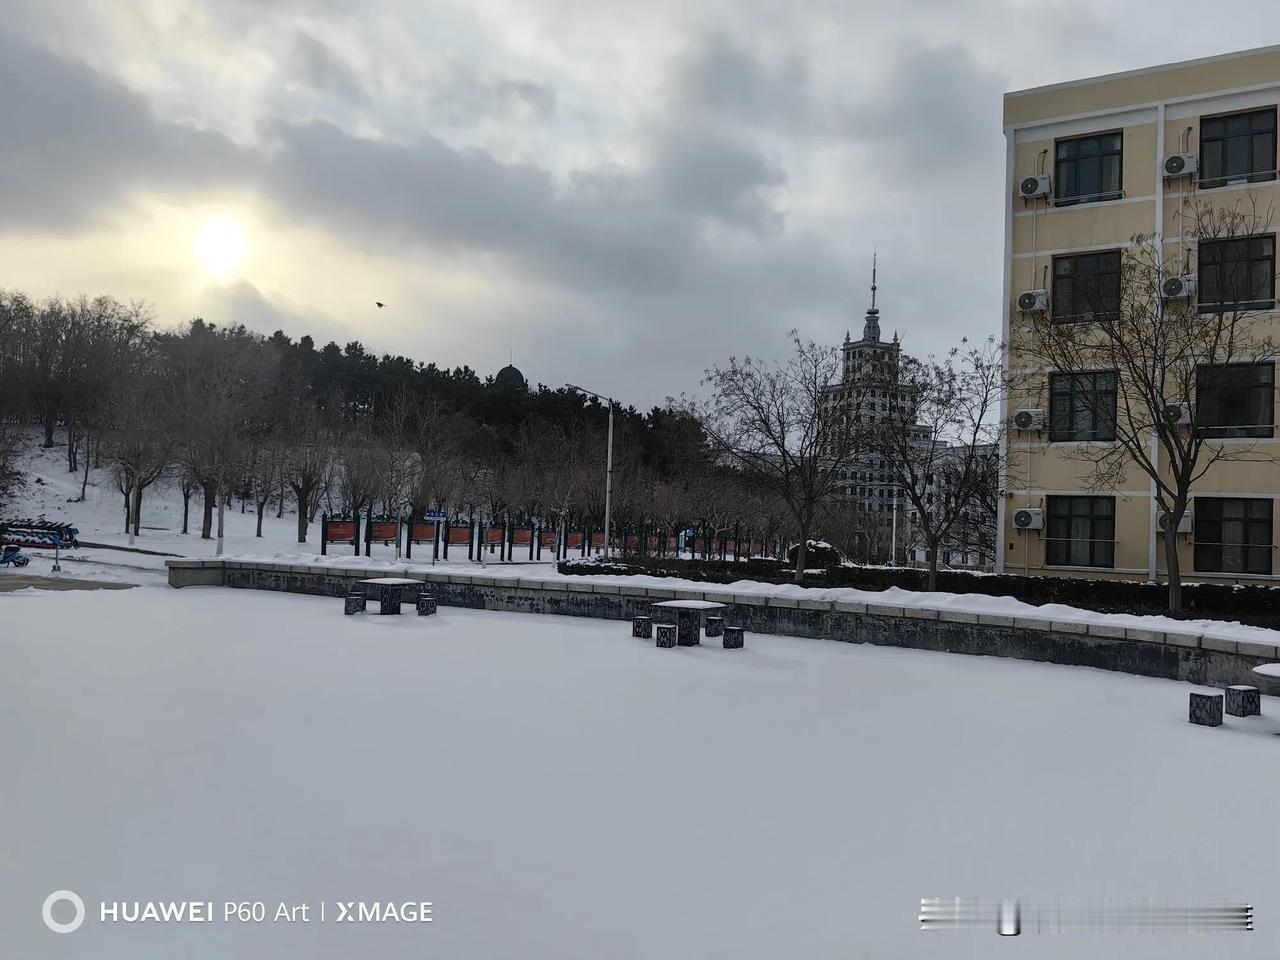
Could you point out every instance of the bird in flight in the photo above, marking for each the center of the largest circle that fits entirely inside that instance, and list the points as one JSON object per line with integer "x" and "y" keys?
{"x": 379, "y": 304}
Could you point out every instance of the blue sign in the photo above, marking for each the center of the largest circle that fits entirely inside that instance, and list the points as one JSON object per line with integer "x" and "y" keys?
{"x": 435, "y": 515}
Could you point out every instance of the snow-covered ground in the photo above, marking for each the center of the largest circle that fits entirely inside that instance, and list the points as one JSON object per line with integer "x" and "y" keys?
{"x": 558, "y": 789}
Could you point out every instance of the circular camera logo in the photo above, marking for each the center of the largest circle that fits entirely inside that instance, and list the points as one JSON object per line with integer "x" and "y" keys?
{"x": 59, "y": 896}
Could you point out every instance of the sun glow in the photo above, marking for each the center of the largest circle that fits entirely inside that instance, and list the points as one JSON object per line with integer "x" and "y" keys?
{"x": 221, "y": 245}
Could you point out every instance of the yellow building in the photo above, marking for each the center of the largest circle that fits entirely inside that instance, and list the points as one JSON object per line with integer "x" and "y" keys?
{"x": 1089, "y": 165}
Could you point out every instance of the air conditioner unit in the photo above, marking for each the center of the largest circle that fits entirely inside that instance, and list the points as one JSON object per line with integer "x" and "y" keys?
{"x": 1029, "y": 419}
{"x": 1178, "y": 414}
{"x": 1033, "y": 301}
{"x": 1179, "y": 288}
{"x": 1184, "y": 524}
{"x": 1029, "y": 518}
{"x": 1032, "y": 187}
{"x": 1181, "y": 165}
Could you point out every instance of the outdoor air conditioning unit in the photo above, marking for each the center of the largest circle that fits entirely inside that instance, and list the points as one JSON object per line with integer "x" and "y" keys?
{"x": 1033, "y": 301}
{"x": 1029, "y": 518}
{"x": 1180, "y": 165}
{"x": 1178, "y": 414}
{"x": 1029, "y": 419}
{"x": 1032, "y": 187}
{"x": 1184, "y": 525}
{"x": 1179, "y": 288}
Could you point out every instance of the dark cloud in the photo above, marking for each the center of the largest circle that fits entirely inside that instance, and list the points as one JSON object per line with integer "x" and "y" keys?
{"x": 324, "y": 71}
{"x": 465, "y": 98}
{"x": 76, "y": 143}
{"x": 724, "y": 77}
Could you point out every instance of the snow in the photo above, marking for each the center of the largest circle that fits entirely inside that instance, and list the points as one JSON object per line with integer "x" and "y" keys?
{"x": 559, "y": 789}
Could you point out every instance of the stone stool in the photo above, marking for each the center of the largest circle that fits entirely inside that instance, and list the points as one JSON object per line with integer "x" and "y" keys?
{"x": 688, "y": 627}
{"x": 354, "y": 602}
{"x": 426, "y": 604}
{"x": 1243, "y": 701}
{"x": 642, "y": 627}
{"x": 733, "y": 638}
{"x": 715, "y": 626}
{"x": 666, "y": 634}
{"x": 1206, "y": 709}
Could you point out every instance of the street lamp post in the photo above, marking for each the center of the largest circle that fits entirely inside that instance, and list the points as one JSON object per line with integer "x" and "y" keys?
{"x": 608, "y": 470}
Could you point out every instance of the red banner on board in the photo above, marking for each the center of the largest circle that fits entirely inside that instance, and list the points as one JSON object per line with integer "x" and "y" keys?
{"x": 340, "y": 531}
{"x": 422, "y": 532}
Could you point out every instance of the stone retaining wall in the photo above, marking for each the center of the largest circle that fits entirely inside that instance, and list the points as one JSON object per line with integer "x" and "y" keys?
{"x": 1174, "y": 656}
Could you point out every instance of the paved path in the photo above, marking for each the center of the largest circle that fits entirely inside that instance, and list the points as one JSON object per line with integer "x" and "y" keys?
{"x": 13, "y": 580}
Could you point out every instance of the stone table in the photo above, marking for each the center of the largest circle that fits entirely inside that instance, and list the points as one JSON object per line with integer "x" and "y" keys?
{"x": 390, "y": 592}
{"x": 688, "y": 614}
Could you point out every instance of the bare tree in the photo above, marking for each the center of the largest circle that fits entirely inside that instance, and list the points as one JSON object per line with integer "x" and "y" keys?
{"x": 940, "y": 436}
{"x": 307, "y": 460}
{"x": 776, "y": 424}
{"x": 1174, "y": 362}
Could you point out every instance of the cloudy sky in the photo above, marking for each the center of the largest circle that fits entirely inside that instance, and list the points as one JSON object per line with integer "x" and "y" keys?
{"x": 613, "y": 193}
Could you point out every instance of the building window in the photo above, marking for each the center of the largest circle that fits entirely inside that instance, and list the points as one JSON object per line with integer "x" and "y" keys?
{"x": 1236, "y": 399}
{"x": 1081, "y": 531}
{"x": 1238, "y": 148}
{"x": 1237, "y": 274}
{"x": 1233, "y": 535}
{"x": 1082, "y": 406}
{"x": 1086, "y": 286}
{"x": 1088, "y": 168}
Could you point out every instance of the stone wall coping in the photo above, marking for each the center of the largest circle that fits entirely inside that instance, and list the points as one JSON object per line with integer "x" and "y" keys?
{"x": 1251, "y": 649}
{"x": 1144, "y": 636}
{"x": 791, "y": 602}
{"x": 995, "y": 620}
{"x": 606, "y": 588}
{"x": 848, "y": 606}
{"x": 749, "y": 600}
{"x": 956, "y": 616}
{"x": 1184, "y": 640}
{"x": 815, "y": 604}
{"x": 921, "y": 613}
{"x": 1096, "y": 629}
{"x": 1214, "y": 643}
{"x": 880, "y": 610}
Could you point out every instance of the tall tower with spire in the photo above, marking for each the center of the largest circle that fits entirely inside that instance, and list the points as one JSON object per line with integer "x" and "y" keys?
{"x": 859, "y": 355}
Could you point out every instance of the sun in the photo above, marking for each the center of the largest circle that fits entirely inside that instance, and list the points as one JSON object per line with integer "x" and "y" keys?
{"x": 220, "y": 244}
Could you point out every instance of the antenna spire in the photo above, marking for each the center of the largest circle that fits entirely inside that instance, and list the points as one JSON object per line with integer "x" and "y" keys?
{"x": 873, "y": 277}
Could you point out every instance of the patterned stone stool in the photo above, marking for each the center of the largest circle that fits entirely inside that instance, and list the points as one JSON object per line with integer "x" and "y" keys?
{"x": 426, "y": 604}
{"x": 666, "y": 634}
{"x": 1206, "y": 709}
{"x": 715, "y": 626}
{"x": 733, "y": 638}
{"x": 1243, "y": 701}
{"x": 354, "y": 602}
{"x": 642, "y": 627}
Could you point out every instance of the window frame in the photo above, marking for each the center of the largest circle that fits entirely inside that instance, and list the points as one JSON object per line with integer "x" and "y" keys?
{"x": 1096, "y": 429}
{"x": 1100, "y": 550}
{"x": 1060, "y": 197}
{"x": 1057, "y": 296}
{"x": 1253, "y": 176}
{"x": 1209, "y": 556}
{"x": 1261, "y": 430}
{"x": 1222, "y": 266}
